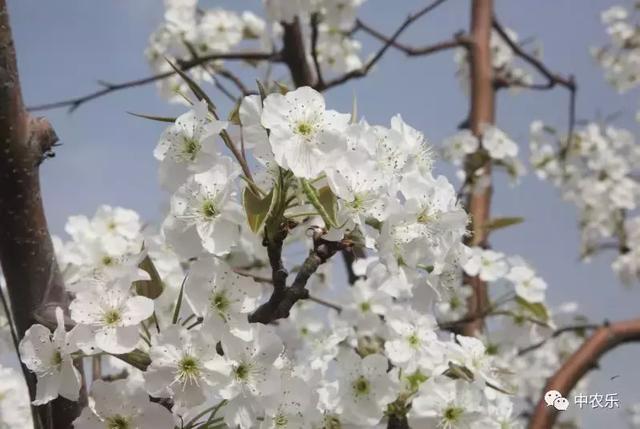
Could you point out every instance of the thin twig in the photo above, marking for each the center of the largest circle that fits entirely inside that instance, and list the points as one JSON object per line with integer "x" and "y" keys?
{"x": 555, "y": 334}
{"x": 553, "y": 79}
{"x": 326, "y": 303}
{"x": 261, "y": 279}
{"x": 235, "y": 80}
{"x": 364, "y": 70}
{"x": 74, "y": 103}
{"x": 458, "y": 40}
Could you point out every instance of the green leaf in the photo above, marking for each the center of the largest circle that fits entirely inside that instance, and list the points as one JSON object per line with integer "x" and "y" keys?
{"x": 193, "y": 86}
{"x": 329, "y": 202}
{"x": 256, "y": 208}
{"x": 456, "y": 371}
{"x": 150, "y": 288}
{"x": 538, "y": 310}
{"x": 137, "y": 358}
{"x": 234, "y": 115}
{"x": 502, "y": 222}
{"x": 176, "y": 310}
{"x": 154, "y": 118}
{"x": 282, "y": 88}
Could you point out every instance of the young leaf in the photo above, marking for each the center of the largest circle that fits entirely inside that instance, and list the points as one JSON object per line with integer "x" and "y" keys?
{"x": 282, "y": 88}
{"x": 538, "y": 310}
{"x": 502, "y": 222}
{"x": 234, "y": 115}
{"x": 256, "y": 208}
{"x": 176, "y": 310}
{"x": 154, "y": 118}
{"x": 150, "y": 288}
{"x": 328, "y": 202}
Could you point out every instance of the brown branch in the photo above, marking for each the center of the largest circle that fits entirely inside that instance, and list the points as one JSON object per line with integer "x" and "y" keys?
{"x": 314, "y": 48}
{"x": 295, "y": 56}
{"x": 364, "y": 70}
{"x": 230, "y": 76}
{"x": 315, "y": 299}
{"x": 602, "y": 341}
{"x": 458, "y": 40}
{"x": 74, "y": 103}
{"x": 283, "y": 298}
{"x": 555, "y": 334}
{"x": 553, "y": 79}
{"x": 482, "y": 112}
{"x": 33, "y": 279}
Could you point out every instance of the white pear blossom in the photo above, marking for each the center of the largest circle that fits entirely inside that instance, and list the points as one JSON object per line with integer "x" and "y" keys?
{"x": 223, "y": 298}
{"x": 207, "y": 204}
{"x": 527, "y": 285}
{"x": 188, "y": 146}
{"x": 113, "y": 314}
{"x": 303, "y": 134}
{"x": 185, "y": 366}
{"x": 489, "y": 265}
{"x": 253, "y": 375}
{"x": 498, "y": 144}
{"x": 49, "y": 356}
{"x": 412, "y": 338}
{"x": 365, "y": 387}
{"x": 119, "y": 404}
{"x": 445, "y": 404}
{"x": 471, "y": 353}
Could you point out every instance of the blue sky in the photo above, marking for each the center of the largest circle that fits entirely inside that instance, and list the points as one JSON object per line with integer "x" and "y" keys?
{"x": 64, "y": 47}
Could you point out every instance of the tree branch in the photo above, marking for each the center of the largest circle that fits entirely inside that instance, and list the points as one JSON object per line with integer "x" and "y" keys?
{"x": 553, "y": 79}
{"x": 555, "y": 334}
{"x": 603, "y": 340}
{"x": 295, "y": 56}
{"x": 34, "y": 282}
{"x": 458, "y": 40}
{"x": 74, "y": 103}
{"x": 364, "y": 70}
{"x": 283, "y": 298}
{"x": 314, "y": 48}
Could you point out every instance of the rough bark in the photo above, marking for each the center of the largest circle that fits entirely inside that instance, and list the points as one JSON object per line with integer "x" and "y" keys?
{"x": 582, "y": 361}
{"x": 482, "y": 112}
{"x": 28, "y": 260}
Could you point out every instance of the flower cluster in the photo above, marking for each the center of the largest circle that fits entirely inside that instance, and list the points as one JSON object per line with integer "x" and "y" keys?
{"x": 494, "y": 144}
{"x": 502, "y": 58}
{"x": 14, "y": 400}
{"x": 596, "y": 171}
{"x": 620, "y": 59}
{"x": 382, "y": 351}
{"x": 190, "y": 33}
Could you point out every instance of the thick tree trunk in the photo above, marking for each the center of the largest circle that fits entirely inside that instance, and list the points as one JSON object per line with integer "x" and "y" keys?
{"x": 28, "y": 260}
{"x": 482, "y": 112}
